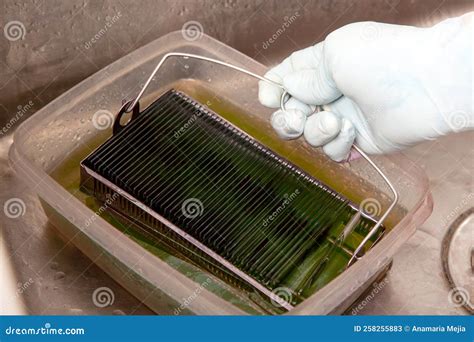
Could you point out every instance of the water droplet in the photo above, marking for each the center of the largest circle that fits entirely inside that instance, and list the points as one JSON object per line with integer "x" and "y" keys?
{"x": 59, "y": 275}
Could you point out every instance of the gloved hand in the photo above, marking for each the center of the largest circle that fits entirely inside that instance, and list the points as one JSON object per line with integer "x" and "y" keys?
{"x": 384, "y": 87}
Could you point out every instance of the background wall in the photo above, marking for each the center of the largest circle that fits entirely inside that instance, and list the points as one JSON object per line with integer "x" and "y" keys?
{"x": 56, "y": 51}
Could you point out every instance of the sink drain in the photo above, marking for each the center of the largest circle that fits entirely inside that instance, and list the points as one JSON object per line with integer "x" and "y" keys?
{"x": 457, "y": 255}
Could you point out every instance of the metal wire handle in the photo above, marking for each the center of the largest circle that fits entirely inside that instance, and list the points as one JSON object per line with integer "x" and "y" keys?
{"x": 283, "y": 99}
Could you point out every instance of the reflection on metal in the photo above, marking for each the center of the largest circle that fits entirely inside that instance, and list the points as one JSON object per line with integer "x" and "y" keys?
{"x": 457, "y": 255}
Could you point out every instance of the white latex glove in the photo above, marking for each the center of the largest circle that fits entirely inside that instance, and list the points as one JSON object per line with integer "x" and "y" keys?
{"x": 384, "y": 86}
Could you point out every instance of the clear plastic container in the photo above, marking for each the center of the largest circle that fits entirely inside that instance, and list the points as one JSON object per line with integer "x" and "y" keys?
{"x": 62, "y": 133}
